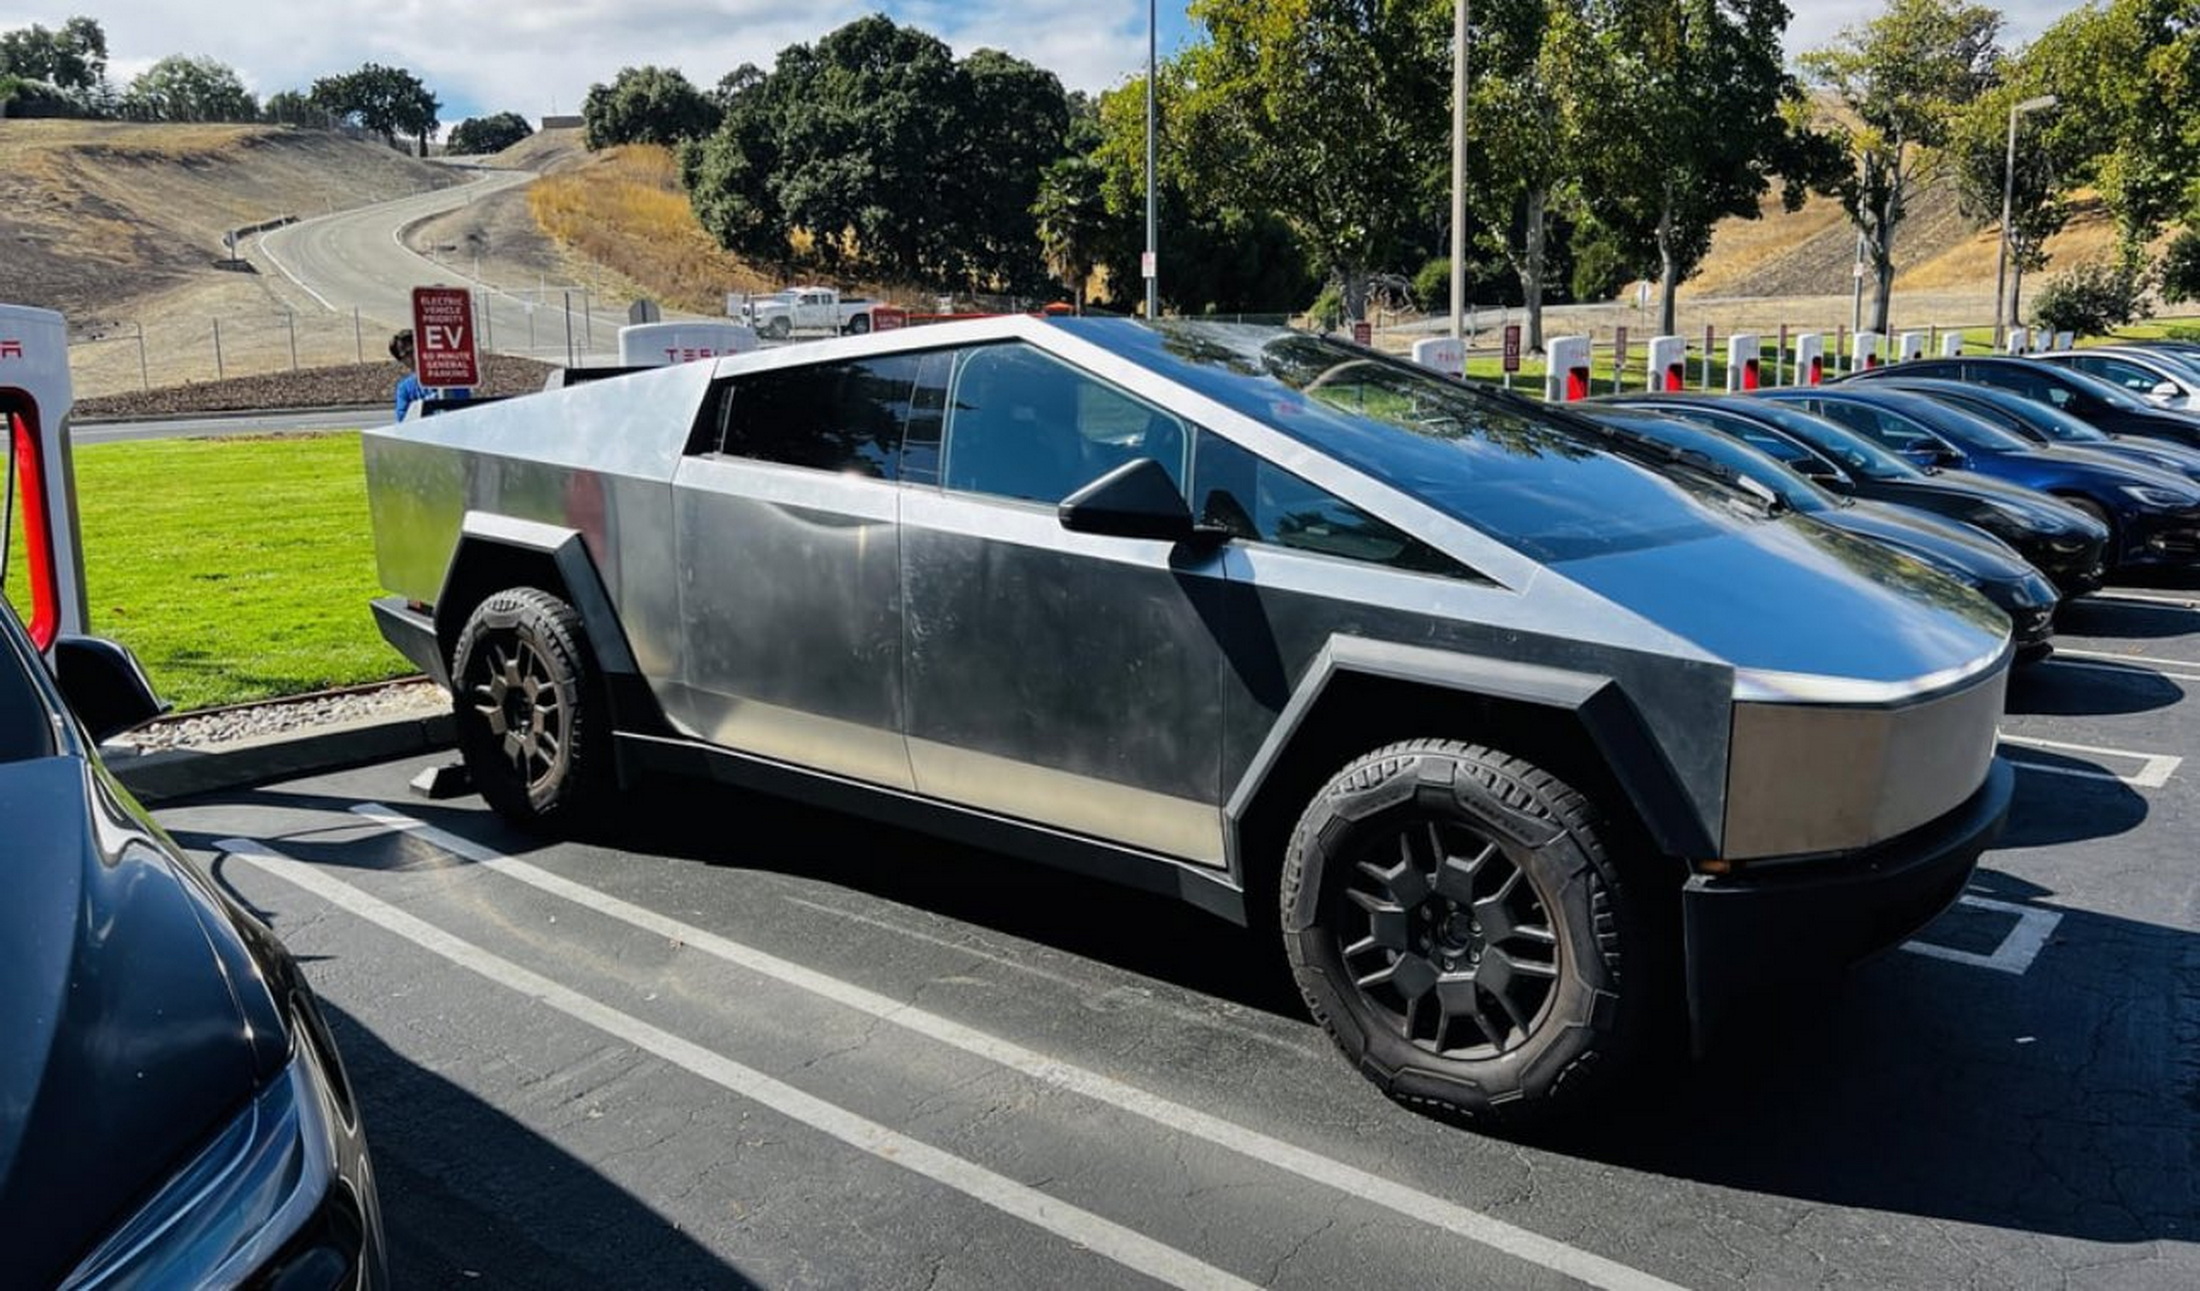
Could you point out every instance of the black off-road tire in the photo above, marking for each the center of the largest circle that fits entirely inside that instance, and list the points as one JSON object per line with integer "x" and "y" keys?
{"x": 777, "y": 329}
{"x": 529, "y": 708}
{"x": 1503, "y": 997}
{"x": 859, "y": 325}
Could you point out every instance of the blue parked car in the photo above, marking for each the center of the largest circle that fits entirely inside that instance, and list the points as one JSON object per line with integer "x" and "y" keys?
{"x": 2153, "y": 516}
{"x": 2044, "y": 423}
{"x": 1984, "y": 564}
{"x": 2061, "y": 543}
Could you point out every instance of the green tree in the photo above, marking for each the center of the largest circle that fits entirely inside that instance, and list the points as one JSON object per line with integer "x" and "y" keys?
{"x": 1686, "y": 114}
{"x": 183, "y": 88}
{"x": 1329, "y": 114}
{"x": 2127, "y": 74}
{"x": 1904, "y": 76}
{"x": 2179, "y": 271}
{"x": 477, "y": 136}
{"x": 887, "y": 155}
{"x": 387, "y": 100}
{"x": 646, "y": 105}
{"x": 295, "y": 108}
{"x": 1070, "y": 211}
{"x": 2093, "y": 298}
{"x": 73, "y": 58}
{"x": 1523, "y": 153}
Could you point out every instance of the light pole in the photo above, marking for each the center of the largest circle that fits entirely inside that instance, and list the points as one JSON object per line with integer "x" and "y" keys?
{"x": 1459, "y": 170}
{"x": 1152, "y": 265}
{"x": 2008, "y": 203}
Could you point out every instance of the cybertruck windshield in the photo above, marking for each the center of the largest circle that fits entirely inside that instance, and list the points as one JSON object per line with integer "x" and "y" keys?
{"x": 1546, "y": 485}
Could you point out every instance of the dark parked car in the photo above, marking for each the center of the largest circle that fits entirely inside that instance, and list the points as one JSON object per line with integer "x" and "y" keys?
{"x": 2061, "y": 543}
{"x": 2153, "y": 516}
{"x": 2044, "y": 423}
{"x": 1476, "y": 704}
{"x": 1972, "y": 558}
{"x": 172, "y": 1110}
{"x": 2107, "y": 406}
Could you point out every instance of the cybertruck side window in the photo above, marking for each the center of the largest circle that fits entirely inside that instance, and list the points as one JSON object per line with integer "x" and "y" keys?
{"x": 1023, "y": 424}
{"x": 1258, "y": 501}
{"x": 846, "y": 417}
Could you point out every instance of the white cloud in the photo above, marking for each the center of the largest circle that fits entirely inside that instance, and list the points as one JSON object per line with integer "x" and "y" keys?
{"x": 538, "y": 56}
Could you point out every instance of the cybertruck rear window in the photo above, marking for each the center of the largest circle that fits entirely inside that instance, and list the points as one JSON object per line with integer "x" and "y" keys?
{"x": 846, "y": 417}
{"x": 1527, "y": 480}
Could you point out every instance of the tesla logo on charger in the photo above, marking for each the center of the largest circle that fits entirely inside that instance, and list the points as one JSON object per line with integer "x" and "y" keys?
{"x": 11, "y": 349}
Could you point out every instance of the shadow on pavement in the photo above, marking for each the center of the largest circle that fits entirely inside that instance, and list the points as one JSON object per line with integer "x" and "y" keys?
{"x": 472, "y": 1198}
{"x": 2057, "y": 1102}
{"x": 2098, "y": 689}
{"x": 2138, "y": 620}
{"x": 2051, "y": 809}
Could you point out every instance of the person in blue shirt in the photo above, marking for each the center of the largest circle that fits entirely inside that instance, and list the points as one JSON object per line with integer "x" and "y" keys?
{"x": 409, "y": 389}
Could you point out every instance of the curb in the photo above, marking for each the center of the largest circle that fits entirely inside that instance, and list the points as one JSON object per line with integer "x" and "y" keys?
{"x": 171, "y": 774}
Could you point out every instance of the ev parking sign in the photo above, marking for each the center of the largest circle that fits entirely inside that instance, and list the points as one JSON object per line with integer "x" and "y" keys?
{"x": 443, "y": 337}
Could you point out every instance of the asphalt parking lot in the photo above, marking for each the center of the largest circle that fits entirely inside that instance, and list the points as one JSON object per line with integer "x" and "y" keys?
{"x": 759, "y": 1045}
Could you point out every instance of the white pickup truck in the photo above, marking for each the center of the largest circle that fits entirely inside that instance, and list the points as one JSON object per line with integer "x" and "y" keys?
{"x": 810, "y": 309}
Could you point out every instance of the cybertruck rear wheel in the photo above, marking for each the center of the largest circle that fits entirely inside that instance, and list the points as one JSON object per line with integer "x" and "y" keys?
{"x": 1453, "y": 920}
{"x": 529, "y": 710}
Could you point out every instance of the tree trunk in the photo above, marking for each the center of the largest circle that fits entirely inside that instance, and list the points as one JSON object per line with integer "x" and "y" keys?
{"x": 1669, "y": 268}
{"x": 2016, "y": 287}
{"x": 1355, "y": 293}
{"x": 1531, "y": 268}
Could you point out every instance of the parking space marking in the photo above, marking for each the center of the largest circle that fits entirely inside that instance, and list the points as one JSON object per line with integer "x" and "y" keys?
{"x": 1105, "y": 1237}
{"x": 1473, "y": 1225}
{"x": 2112, "y": 656}
{"x": 2124, "y": 669}
{"x": 2017, "y": 950}
{"x": 2161, "y": 599}
{"x": 2154, "y": 771}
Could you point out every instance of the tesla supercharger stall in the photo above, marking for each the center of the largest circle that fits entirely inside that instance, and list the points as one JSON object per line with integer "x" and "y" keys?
{"x": 2017, "y": 341}
{"x": 1667, "y": 363}
{"x": 1566, "y": 378}
{"x": 40, "y": 476}
{"x": 1810, "y": 358}
{"x": 1744, "y": 361}
{"x": 1864, "y": 354}
{"x": 1445, "y": 354}
{"x": 1951, "y": 346}
{"x": 1911, "y": 346}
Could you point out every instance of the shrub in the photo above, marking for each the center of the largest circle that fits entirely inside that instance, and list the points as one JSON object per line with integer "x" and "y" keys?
{"x": 2180, "y": 268}
{"x": 2092, "y": 299}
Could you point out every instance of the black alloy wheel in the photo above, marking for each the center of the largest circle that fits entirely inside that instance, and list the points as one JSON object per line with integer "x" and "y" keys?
{"x": 1456, "y": 924}
{"x": 527, "y": 707}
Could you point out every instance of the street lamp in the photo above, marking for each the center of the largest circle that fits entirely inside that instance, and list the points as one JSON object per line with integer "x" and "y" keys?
{"x": 1459, "y": 20}
{"x": 2008, "y": 202}
{"x": 1151, "y": 268}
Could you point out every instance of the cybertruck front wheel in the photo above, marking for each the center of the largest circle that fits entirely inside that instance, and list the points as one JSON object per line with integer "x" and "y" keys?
{"x": 1454, "y": 922}
{"x": 529, "y": 710}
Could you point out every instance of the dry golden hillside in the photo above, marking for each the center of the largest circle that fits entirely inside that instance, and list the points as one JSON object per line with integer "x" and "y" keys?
{"x": 623, "y": 209}
{"x": 96, "y": 215}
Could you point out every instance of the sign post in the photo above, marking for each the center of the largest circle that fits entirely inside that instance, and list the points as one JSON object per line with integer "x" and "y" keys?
{"x": 1512, "y": 352}
{"x": 443, "y": 338}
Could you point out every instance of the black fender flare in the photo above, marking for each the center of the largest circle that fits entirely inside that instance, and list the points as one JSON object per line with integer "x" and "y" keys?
{"x": 1596, "y": 703}
{"x": 489, "y": 542}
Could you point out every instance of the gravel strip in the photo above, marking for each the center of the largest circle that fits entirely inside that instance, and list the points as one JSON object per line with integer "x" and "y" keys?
{"x": 218, "y": 727}
{"x": 346, "y": 386}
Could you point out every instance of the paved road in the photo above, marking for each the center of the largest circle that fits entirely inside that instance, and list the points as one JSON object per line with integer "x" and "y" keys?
{"x": 746, "y": 1043}
{"x": 357, "y": 259}
{"x": 230, "y": 423}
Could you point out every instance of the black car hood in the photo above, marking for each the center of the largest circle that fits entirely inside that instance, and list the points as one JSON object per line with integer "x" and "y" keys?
{"x": 2032, "y": 504}
{"x": 128, "y": 1037}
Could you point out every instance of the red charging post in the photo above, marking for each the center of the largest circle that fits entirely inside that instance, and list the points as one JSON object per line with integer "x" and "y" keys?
{"x": 443, "y": 338}
{"x": 1566, "y": 377}
{"x": 1810, "y": 358}
{"x": 1744, "y": 361}
{"x": 1668, "y": 363}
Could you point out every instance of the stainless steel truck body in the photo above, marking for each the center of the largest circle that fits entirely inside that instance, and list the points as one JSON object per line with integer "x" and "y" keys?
{"x": 1478, "y": 705}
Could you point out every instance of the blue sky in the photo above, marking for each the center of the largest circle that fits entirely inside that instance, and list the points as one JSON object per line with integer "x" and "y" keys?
{"x": 536, "y": 57}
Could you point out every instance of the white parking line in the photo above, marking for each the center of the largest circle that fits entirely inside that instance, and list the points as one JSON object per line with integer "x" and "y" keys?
{"x": 2151, "y": 661}
{"x": 2124, "y": 669}
{"x": 2154, "y": 771}
{"x": 2017, "y": 950}
{"x": 1132, "y": 1249}
{"x": 1412, "y": 1203}
{"x": 2165, "y": 600}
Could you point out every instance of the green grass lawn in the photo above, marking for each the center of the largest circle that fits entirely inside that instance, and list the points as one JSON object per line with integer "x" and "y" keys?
{"x": 236, "y": 569}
